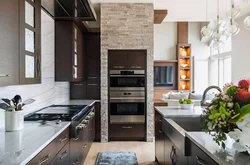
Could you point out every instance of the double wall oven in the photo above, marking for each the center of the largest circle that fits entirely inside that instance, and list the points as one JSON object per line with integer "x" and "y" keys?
{"x": 127, "y": 96}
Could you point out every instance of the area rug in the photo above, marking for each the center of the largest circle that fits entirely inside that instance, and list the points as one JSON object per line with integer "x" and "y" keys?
{"x": 116, "y": 158}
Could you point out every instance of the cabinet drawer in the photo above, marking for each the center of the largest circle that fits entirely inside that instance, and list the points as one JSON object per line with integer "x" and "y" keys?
{"x": 62, "y": 139}
{"x": 62, "y": 157}
{"x": 197, "y": 156}
{"x": 127, "y": 132}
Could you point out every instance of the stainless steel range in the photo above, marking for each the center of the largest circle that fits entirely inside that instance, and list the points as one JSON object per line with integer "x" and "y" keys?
{"x": 77, "y": 114}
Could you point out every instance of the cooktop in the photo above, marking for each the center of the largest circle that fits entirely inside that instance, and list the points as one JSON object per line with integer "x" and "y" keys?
{"x": 61, "y": 112}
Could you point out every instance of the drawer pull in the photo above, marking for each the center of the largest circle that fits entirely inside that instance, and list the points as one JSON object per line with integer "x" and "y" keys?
{"x": 64, "y": 139}
{"x": 5, "y": 75}
{"x": 64, "y": 154}
{"x": 159, "y": 131}
{"x": 85, "y": 145}
{"x": 45, "y": 159}
{"x": 136, "y": 67}
{"x": 127, "y": 127}
{"x": 200, "y": 161}
{"x": 118, "y": 67}
{"x": 92, "y": 77}
{"x": 78, "y": 84}
{"x": 76, "y": 162}
{"x": 93, "y": 84}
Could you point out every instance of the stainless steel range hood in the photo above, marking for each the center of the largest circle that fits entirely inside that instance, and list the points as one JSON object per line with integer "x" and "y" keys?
{"x": 70, "y": 9}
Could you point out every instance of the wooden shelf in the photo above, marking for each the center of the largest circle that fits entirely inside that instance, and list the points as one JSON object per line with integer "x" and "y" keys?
{"x": 184, "y": 79}
{"x": 165, "y": 61}
{"x": 184, "y": 57}
{"x": 184, "y": 68}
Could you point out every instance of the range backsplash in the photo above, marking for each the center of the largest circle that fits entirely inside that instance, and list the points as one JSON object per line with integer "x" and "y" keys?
{"x": 48, "y": 92}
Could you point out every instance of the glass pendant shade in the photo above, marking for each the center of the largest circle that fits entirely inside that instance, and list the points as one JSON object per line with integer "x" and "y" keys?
{"x": 246, "y": 1}
{"x": 206, "y": 31}
{"x": 217, "y": 44}
{"x": 232, "y": 28}
{"x": 218, "y": 36}
{"x": 247, "y": 22}
{"x": 233, "y": 13}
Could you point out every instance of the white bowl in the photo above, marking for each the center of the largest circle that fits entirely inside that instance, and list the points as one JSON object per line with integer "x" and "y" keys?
{"x": 184, "y": 65}
{"x": 187, "y": 106}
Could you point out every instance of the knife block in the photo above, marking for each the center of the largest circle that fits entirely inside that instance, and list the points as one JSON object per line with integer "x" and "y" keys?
{"x": 14, "y": 121}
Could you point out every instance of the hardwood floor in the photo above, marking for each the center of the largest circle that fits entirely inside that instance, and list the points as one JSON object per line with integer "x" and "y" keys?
{"x": 145, "y": 151}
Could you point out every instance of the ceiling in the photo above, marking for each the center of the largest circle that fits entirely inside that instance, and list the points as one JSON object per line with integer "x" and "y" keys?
{"x": 186, "y": 10}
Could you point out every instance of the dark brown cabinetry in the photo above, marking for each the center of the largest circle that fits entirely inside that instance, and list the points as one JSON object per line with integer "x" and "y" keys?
{"x": 127, "y": 59}
{"x": 69, "y": 61}
{"x": 197, "y": 156}
{"x": 159, "y": 140}
{"x": 57, "y": 149}
{"x": 20, "y": 37}
{"x": 97, "y": 121}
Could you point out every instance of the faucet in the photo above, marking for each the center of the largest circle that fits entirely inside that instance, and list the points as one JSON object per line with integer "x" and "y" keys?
{"x": 203, "y": 101}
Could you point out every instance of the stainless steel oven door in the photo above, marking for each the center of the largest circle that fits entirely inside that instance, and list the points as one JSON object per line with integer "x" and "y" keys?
{"x": 127, "y": 110}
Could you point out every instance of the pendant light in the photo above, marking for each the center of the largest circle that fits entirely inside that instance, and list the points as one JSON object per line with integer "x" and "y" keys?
{"x": 247, "y": 22}
{"x": 234, "y": 12}
{"x": 246, "y": 1}
{"x": 206, "y": 31}
{"x": 232, "y": 28}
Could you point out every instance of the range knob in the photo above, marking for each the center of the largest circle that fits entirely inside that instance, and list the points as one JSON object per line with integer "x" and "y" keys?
{"x": 81, "y": 126}
{"x": 92, "y": 114}
{"x": 84, "y": 122}
{"x": 87, "y": 117}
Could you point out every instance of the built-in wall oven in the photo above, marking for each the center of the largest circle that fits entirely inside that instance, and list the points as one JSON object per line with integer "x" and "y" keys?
{"x": 127, "y": 96}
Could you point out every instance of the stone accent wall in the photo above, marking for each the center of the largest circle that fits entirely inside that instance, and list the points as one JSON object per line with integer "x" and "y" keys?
{"x": 126, "y": 26}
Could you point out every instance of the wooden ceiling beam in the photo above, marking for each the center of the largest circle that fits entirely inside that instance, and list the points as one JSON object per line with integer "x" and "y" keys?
{"x": 159, "y": 16}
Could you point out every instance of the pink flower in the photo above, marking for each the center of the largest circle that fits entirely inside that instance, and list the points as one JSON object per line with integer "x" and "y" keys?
{"x": 243, "y": 96}
{"x": 244, "y": 83}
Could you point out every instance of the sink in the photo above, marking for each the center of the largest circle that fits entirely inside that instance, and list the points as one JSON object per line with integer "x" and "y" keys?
{"x": 176, "y": 127}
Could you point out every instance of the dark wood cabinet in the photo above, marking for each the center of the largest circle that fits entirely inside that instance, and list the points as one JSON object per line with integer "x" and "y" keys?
{"x": 98, "y": 121}
{"x": 197, "y": 156}
{"x": 159, "y": 140}
{"x": 63, "y": 156}
{"x": 78, "y": 90}
{"x": 20, "y": 42}
{"x": 69, "y": 60}
{"x": 49, "y": 154}
{"x": 127, "y": 59}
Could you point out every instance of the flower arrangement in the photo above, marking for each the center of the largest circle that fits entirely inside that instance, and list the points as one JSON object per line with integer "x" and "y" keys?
{"x": 229, "y": 114}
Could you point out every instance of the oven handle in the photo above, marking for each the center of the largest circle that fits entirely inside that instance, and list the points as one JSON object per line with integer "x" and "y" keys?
{"x": 134, "y": 75}
{"x": 127, "y": 100}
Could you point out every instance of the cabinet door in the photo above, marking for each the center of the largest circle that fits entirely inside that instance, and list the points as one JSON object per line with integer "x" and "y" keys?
{"x": 159, "y": 141}
{"x": 30, "y": 42}
{"x": 78, "y": 90}
{"x": 97, "y": 122}
{"x": 9, "y": 47}
{"x": 93, "y": 90}
{"x": 117, "y": 59}
{"x": 137, "y": 59}
{"x": 168, "y": 151}
{"x": 63, "y": 156}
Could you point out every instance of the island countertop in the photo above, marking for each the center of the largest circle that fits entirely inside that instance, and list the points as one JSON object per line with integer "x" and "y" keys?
{"x": 223, "y": 157}
{"x": 18, "y": 148}
{"x": 173, "y": 111}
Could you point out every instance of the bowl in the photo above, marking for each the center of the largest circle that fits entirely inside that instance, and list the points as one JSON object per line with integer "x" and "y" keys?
{"x": 184, "y": 65}
{"x": 183, "y": 76}
{"x": 187, "y": 106}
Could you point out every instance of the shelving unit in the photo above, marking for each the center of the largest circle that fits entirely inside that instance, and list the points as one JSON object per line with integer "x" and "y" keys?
{"x": 184, "y": 67}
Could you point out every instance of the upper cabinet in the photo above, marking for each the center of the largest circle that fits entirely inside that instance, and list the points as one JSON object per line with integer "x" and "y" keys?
{"x": 20, "y": 37}
{"x": 69, "y": 52}
{"x": 127, "y": 59}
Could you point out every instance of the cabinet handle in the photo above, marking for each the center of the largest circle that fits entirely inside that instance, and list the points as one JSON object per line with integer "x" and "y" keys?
{"x": 38, "y": 67}
{"x": 136, "y": 67}
{"x": 127, "y": 127}
{"x": 64, "y": 139}
{"x": 118, "y": 67}
{"x": 80, "y": 77}
{"x": 78, "y": 84}
{"x": 76, "y": 162}
{"x": 45, "y": 159}
{"x": 85, "y": 145}
{"x": 93, "y": 84}
{"x": 64, "y": 154}
{"x": 159, "y": 131}
{"x": 200, "y": 161}
{"x": 159, "y": 120}
{"x": 75, "y": 139}
{"x": 5, "y": 75}
{"x": 92, "y": 77}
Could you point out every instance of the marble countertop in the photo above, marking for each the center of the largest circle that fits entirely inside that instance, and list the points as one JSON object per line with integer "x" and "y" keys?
{"x": 18, "y": 148}
{"x": 223, "y": 157}
{"x": 173, "y": 111}
{"x": 79, "y": 102}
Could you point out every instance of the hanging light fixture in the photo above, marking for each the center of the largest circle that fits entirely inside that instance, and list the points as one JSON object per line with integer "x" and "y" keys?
{"x": 234, "y": 12}
{"x": 206, "y": 31}
{"x": 247, "y": 22}
{"x": 232, "y": 28}
{"x": 246, "y": 1}
{"x": 218, "y": 36}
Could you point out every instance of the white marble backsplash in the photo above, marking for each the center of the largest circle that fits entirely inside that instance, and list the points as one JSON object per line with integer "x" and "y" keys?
{"x": 48, "y": 92}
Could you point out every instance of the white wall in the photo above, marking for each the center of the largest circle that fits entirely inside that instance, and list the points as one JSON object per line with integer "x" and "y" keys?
{"x": 165, "y": 39}
{"x": 48, "y": 92}
{"x": 241, "y": 52}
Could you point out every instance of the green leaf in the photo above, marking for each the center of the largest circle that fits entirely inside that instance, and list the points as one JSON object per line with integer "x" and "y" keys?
{"x": 237, "y": 107}
{"x": 244, "y": 111}
{"x": 222, "y": 104}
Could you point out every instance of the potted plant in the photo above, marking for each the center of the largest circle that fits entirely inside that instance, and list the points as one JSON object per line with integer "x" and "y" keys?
{"x": 229, "y": 116}
{"x": 186, "y": 103}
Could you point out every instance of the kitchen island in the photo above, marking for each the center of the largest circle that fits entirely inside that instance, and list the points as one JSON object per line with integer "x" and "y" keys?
{"x": 178, "y": 135}
{"x": 18, "y": 148}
